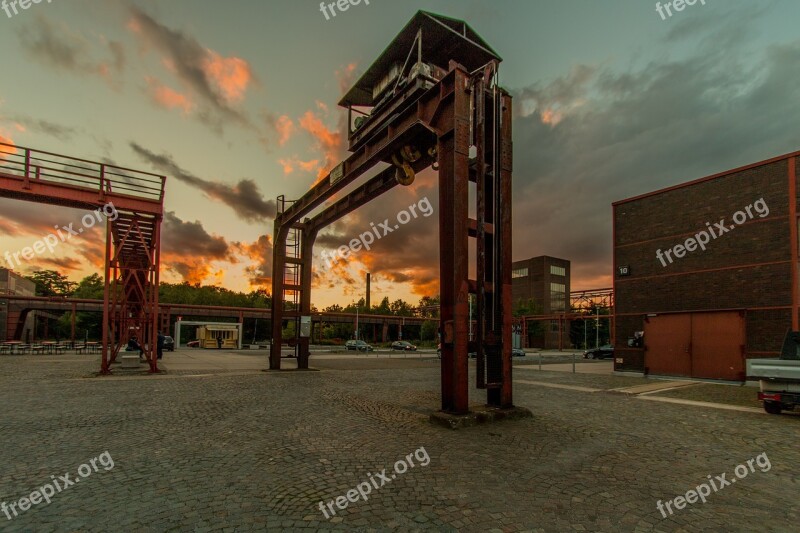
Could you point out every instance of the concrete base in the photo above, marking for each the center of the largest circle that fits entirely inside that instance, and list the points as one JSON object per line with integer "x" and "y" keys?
{"x": 479, "y": 415}
{"x": 130, "y": 361}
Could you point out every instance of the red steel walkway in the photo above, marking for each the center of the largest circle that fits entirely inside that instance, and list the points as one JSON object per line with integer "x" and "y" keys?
{"x": 132, "y": 238}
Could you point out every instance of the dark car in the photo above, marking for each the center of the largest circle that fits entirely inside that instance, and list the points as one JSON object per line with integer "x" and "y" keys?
{"x": 169, "y": 344}
{"x": 404, "y": 345}
{"x": 517, "y": 352}
{"x": 361, "y": 346}
{"x": 603, "y": 352}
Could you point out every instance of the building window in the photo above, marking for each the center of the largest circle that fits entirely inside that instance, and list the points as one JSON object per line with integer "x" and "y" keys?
{"x": 558, "y": 271}
{"x": 519, "y": 273}
{"x": 558, "y": 297}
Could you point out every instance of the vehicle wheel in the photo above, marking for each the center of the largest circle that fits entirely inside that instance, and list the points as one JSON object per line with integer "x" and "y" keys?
{"x": 773, "y": 408}
{"x": 590, "y": 356}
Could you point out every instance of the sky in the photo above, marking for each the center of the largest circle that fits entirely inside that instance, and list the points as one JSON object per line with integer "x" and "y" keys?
{"x": 235, "y": 102}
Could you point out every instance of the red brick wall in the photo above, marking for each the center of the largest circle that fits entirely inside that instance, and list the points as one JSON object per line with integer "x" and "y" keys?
{"x": 749, "y": 267}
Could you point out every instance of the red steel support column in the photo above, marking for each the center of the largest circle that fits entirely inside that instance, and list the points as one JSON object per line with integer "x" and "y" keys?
{"x": 453, "y": 149}
{"x": 309, "y": 236}
{"x": 793, "y": 244}
{"x": 278, "y": 262}
{"x": 155, "y": 277}
{"x": 104, "y": 369}
{"x": 503, "y": 397}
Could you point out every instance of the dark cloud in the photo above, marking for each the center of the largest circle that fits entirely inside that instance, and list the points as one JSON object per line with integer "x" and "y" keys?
{"x": 189, "y": 59}
{"x": 190, "y": 239}
{"x": 44, "y": 127}
{"x": 619, "y": 134}
{"x": 60, "y": 47}
{"x": 244, "y": 198}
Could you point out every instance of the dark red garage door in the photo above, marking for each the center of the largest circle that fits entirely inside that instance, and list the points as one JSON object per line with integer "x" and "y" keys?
{"x": 699, "y": 345}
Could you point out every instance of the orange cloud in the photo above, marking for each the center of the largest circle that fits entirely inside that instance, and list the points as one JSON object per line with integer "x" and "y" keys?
{"x": 330, "y": 142}
{"x": 7, "y": 150}
{"x": 167, "y": 97}
{"x": 346, "y": 77}
{"x": 285, "y": 128}
{"x": 231, "y": 75}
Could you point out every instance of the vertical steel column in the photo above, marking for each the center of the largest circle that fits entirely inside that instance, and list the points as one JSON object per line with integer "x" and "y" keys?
{"x": 502, "y": 397}
{"x": 453, "y": 150}
{"x": 309, "y": 236}
{"x": 107, "y": 311}
{"x": 278, "y": 263}
{"x": 482, "y": 192}
{"x": 155, "y": 277}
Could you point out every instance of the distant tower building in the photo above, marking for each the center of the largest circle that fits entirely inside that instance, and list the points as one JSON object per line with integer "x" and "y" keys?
{"x": 546, "y": 281}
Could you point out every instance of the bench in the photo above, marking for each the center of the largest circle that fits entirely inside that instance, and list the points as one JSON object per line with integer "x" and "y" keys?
{"x": 130, "y": 361}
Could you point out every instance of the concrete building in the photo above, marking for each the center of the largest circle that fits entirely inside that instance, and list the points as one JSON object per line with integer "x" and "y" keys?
{"x": 708, "y": 271}
{"x": 13, "y": 284}
{"x": 546, "y": 281}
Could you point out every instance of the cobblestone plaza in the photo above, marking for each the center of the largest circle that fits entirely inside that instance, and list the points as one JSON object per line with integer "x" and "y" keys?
{"x": 242, "y": 450}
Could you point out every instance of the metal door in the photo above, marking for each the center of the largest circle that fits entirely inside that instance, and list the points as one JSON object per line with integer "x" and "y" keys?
{"x": 667, "y": 340}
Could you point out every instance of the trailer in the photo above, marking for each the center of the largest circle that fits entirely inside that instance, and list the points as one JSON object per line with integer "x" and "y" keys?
{"x": 779, "y": 379}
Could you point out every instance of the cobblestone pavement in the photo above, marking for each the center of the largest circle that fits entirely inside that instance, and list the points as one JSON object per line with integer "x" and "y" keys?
{"x": 249, "y": 451}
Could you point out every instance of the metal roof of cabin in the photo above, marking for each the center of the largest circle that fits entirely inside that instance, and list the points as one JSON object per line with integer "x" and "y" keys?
{"x": 443, "y": 39}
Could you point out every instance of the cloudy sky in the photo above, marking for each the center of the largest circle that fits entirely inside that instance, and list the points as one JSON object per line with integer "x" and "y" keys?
{"x": 235, "y": 102}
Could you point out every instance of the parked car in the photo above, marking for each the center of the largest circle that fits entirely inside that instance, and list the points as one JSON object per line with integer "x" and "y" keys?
{"x": 603, "y": 352}
{"x": 193, "y": 344}
{"x": 404, "y": 345}
{"x": 517, "y": 352}
{"x": 169, "y": 344}
{"x": 360, "y": 346}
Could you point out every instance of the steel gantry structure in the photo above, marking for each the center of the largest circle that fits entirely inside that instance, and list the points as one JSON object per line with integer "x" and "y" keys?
{"x": 431, "y": 99}
{"x": 132, "y": 203}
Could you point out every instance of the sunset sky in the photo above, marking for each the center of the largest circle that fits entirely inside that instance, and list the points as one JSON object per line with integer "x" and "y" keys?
{"x": 235, "y": 102}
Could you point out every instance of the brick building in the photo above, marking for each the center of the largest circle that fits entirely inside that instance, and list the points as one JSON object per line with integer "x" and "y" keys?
{"x": 545, "y": 280}
{"x": 13, "y": 284}
{"x": 708, "y": 270}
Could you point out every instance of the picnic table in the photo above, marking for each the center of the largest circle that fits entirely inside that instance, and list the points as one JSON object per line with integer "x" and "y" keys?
{"x": 12, "y": 346}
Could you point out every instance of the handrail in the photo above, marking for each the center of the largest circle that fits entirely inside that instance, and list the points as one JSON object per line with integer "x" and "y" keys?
{"x": 29, "y": 164}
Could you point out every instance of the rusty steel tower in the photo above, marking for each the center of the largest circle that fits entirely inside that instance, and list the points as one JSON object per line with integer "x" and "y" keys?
{"x": 431, "y": 99}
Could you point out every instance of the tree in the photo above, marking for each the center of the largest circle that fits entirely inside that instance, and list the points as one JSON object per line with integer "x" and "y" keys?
{"x": 429, "y": 330}
{"x": 51, "y": 283}
{"x": 383, "y": 308}
{"x": 429, "y": 306}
